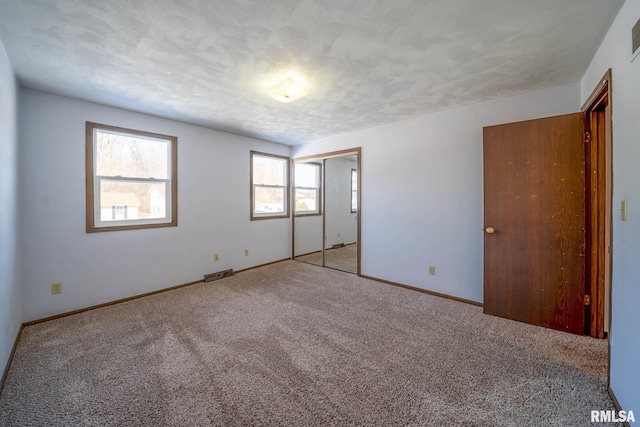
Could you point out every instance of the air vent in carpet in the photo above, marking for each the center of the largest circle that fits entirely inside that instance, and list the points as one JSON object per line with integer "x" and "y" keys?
{"x": 338, "y": 245}
{"x": 219, "y": 275}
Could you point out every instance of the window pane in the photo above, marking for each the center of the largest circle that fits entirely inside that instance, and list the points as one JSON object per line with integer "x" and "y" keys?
{"x": 268, "y": 171}
{"x": 306, "y": 200}
{"x": 125, "y": 200}
{"x": 130, "y": 156}
{"x": 307, "y": 175}
{"x": 268, "y": 200}
{"x": 354, "y": 190}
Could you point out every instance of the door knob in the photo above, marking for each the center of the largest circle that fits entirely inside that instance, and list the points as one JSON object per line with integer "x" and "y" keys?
{"x": 489, "y": 230}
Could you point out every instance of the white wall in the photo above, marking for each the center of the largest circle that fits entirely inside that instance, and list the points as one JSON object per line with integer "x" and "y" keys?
{"x": 308, "y": 234}
{"x": 422, "y": 193}
{"x": 615, "y": 53}
{"x": 213, "y": 210}
{"x": 10, "y": 289}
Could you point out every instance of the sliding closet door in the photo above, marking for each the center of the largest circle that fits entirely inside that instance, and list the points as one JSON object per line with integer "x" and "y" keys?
{"x": 341, "y": 213}
{"x": 326, "y": 221}
{"x": 308, "y": 212}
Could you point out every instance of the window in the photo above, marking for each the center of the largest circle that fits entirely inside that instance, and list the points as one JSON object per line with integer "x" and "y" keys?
{"x": 354, "y": 191}
{"x": 131, "y": 179}
{"x": 269, "y": 186}
{"x": 307, "y": 178}
{"x": 119, "y": 212}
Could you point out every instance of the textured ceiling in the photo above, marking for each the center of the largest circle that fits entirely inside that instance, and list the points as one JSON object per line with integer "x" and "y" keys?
{"x": 366, "y": 62}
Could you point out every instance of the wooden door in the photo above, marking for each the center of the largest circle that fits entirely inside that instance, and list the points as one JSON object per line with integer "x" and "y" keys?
{"x": 534, "y": 216}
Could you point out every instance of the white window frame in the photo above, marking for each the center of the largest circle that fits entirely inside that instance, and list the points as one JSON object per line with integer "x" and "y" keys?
{"x": 318, "y": 210}
{"x": 94, "y": 222}
{"x": 267, "y": 215}
{"x": 354, "y": 193}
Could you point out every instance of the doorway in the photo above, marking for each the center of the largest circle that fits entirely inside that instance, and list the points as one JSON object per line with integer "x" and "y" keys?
{"x": 326, "y": 210}
{"x": 548, "y": 215}
{"x": 599, "y": 190}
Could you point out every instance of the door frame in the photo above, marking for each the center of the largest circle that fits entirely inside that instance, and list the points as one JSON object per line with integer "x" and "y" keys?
{"x": 324, "y": 156}
{"x": 598, "y": 209}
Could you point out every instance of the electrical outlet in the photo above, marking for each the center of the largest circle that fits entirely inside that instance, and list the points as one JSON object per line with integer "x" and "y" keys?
{"x": 56, "y": 288}
{"x": 246, "y": 252}
{"x": 216, "y": 257}
{"x": 432, "y": 270}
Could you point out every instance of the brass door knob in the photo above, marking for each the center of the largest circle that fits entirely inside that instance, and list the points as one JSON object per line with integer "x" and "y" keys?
{"x": 489, "y": 230}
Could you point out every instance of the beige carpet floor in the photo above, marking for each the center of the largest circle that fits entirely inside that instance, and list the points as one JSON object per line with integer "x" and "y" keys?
{"x": 344, "y": 259}
{"x": 293, "y": 344}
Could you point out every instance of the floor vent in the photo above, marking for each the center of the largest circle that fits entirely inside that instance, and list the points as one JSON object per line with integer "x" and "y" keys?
{"x": 219, "y": 275}
{"x": 338, "y": 245}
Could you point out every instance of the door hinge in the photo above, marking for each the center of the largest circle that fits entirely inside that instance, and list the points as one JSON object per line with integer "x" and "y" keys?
{"x": 587, "y": 136}
{"x": 587, "y": 300}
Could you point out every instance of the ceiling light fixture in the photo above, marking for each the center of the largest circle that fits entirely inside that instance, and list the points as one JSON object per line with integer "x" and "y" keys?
{"x": 287, "y": 90}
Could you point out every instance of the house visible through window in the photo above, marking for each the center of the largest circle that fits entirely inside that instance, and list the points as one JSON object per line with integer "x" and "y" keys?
{"x": 118, "y": 212}
{"x": 307, "y": 186}
{"x": 131, "y": 179}
{"x": 269, "y": 186}
{"x": 354, "y": 191}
